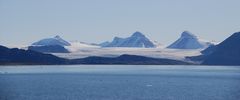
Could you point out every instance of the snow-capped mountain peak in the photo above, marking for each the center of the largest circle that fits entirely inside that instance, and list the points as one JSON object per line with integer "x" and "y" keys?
{"x": 138, "y": 34}
{"x": 189, "y": 41}
{"x": 137, "y": 39}
{"x": 57, "y": 40}
{"x": 65, "y": 43}
{"x": 187, "y": 34}
{"x": 57, "y": 37}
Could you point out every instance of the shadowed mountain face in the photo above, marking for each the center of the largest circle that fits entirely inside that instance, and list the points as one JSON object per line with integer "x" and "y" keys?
{"x": 205, "y": 53}
{"x": 49, "y": 49}
{"x": 188, "y": 41}
{"x": 19, "y": 56}
{"x": 226, "y": 53}
{"x": 209, "y": 50}
{"x": 129, "y": 60}
{"x": 136, "y": 40}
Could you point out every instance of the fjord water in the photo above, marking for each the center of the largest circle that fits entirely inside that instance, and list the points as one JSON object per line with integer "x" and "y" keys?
{"x": 119, "y": 82}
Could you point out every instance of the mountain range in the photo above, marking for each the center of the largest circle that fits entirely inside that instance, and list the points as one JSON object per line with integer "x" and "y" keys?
{"x": 136, "y": 40}
{"x": 225, "y": 53}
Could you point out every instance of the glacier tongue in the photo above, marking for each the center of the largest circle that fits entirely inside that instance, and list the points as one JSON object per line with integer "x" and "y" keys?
{"x": 189, "y": 41}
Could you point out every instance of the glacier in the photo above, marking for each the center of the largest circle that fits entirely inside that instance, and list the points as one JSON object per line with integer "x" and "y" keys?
{"x": 82, "y": 51}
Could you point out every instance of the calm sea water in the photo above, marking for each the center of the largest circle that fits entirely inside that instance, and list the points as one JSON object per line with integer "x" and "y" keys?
{"x": 111, "y": 82}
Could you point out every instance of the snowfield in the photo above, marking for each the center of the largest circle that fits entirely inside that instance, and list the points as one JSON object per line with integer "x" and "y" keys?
{"x": 82, "y": 51}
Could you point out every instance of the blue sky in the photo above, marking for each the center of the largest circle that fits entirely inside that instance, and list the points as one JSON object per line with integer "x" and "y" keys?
{"x": 25, "y": 21}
